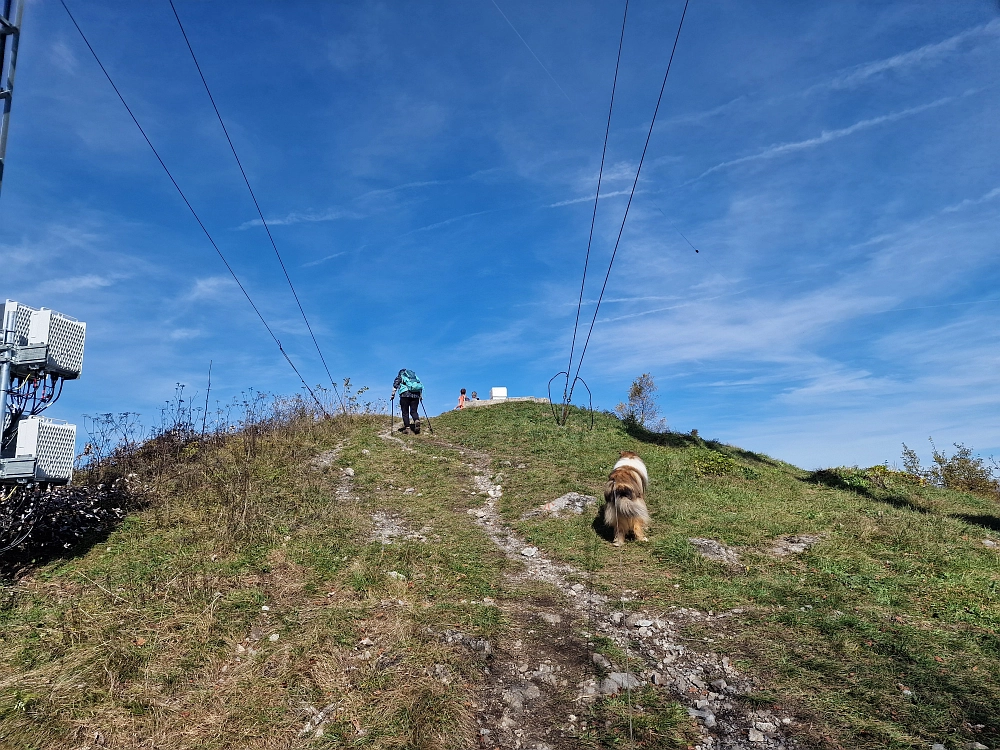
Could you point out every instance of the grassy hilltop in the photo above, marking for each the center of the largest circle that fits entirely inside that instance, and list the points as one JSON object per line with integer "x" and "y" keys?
{"x": 254, "y": 603}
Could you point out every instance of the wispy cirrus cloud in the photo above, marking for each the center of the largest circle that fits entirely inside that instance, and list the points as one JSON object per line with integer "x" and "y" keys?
{"x": 323, "y": 260}
{"x": 76, "y": 284}
{"x": 299, "y": 217}
{"x": 588, "y": 199}
{"x": 452, "y": 220}
{"x": 211, "y": 288}
{"x": 337, "y": 212}
{"x": 927, "y": 54}
{"x": 827, "y": 136}
{"x": 969, "y": 202}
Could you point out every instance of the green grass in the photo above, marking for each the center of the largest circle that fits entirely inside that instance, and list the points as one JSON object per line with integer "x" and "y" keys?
{"x": 900, "y": 591}
{"x": 159, "y": 634}
{"x": 139, "y": 637}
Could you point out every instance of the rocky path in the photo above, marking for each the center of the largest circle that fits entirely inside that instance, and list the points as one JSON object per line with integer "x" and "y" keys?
{"x": 545, "y": 677}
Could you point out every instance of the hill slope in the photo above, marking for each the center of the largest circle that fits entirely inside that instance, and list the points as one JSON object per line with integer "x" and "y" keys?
{"x": 267, "y": 598}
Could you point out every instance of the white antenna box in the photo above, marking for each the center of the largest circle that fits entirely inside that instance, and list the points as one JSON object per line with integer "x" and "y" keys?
{"x": 37, "y": 347}
{"x": 52, "y": 443}
{"x": 64, "y": 336}
{"x": 17, "y": 318}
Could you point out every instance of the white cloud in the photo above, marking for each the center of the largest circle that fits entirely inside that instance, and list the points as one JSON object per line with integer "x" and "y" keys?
{"x": 323, "y": 260}
{"x": 336, "y": 213}
{"x": 780, "y": 149}
{"x": 63, "y": 57}
{"x": 452, "y": 220}
{"x": 211, "y": 288}
{"x": 184, "y": 334}
{"x": 75, "y": 284}
{"x": 588, "y": 199}
{"x": 969, "y": 202}
{"x": 298, "y": 217}
{"x": 929, "y": 53}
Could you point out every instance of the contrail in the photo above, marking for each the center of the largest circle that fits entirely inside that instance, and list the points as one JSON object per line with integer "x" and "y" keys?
{"x": 826, "y": 136}
{"x": 531, "y": 51}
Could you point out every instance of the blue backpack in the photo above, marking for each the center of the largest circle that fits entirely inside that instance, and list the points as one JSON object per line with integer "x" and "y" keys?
{"x": 410, "y": 383}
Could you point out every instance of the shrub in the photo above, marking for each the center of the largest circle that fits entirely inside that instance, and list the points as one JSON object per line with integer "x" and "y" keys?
{"x": 708, "y": 463}
{"x": 878, "y": 477}
{"x": 642, "y": 408}
{"x": 961, "y": 471}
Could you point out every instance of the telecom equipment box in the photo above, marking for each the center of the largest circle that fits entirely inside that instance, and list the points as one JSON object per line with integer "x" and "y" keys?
{"x": 64, "y": 336}
{"x": 17, "y": 332}
{"x": 39, "y": 348}
{"x": 45, "y": 340}
{"x": 498, "y": 394}
{"x": 50, "y": 444}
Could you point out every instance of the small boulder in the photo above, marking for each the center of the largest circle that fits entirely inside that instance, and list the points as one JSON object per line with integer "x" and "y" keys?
{"x": 601, "y": 660}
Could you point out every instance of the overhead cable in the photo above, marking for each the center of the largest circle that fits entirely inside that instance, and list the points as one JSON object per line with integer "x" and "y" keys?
{"x": 260, "y": 213}
{"x": 635, "y": 182}
{"x": 597, "y": 196}
{"x": 191, "y": 208}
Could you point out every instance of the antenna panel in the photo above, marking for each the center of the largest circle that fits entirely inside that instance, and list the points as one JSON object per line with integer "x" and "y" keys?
{"x": 52, "y": 443}
{"x": 20, "y": 321}
{"x": 64, "y": 336}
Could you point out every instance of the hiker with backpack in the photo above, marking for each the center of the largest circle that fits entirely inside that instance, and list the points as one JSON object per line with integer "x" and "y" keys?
{"x": 410, "y": 390}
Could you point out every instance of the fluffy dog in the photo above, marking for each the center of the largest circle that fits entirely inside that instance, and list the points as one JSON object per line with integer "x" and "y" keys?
{"x": 625, "y": 498}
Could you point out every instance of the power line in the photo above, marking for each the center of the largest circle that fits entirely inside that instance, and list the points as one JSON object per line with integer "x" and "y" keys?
{"x": 597, "y": 196}
{"x": 631, "y": 194}
{"x": 267, "y": 229}
{"x": 190, "y": 207}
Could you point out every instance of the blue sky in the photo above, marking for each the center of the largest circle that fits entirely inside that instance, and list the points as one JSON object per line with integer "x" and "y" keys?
{"x": 429, "y": 180}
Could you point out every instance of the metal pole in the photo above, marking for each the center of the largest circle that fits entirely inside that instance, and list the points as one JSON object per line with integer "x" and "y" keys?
{"x": 8, "y": 28}
{"x": 4, "y": 386}
{"x": 6, "y": 353}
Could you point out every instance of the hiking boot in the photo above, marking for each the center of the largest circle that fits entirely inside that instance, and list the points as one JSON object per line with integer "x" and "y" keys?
{"x": 403, "y": 429}
{"x": 416, "y": 428}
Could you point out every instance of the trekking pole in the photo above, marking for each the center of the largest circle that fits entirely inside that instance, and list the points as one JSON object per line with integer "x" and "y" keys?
{"x": 392, "y": 413}
{"x": 429, "y": 425}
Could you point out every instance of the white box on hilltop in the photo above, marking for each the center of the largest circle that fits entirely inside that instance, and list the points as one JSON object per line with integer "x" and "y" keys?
{"x": 498, "y": 394}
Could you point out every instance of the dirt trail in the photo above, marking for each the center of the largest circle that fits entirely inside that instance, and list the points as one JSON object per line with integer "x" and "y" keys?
{"x": 545, "y": 675}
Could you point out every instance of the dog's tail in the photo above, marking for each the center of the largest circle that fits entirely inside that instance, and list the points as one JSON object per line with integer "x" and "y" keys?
{"x": 629, "y": 508}
{"x": 617, "y": 505}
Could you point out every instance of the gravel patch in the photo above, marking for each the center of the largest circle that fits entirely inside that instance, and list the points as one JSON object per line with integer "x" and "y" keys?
{"x": 572, "y": 503}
